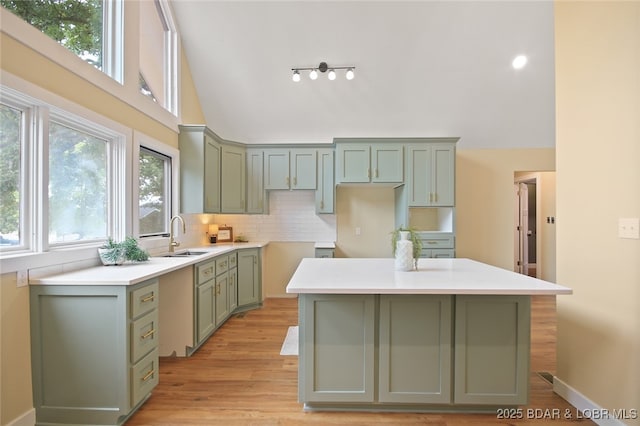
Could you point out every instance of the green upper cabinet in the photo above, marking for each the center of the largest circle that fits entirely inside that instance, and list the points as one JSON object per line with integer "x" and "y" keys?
{"x": 256, "y": 195}
{"x": 290, "y": 168}
{"x": 233, "y": 164}
{"x": 431, "y": 174}
{"x": 200, "y": 155}
{"x": 325, "y": 194}
{"x": 369, "y": 162}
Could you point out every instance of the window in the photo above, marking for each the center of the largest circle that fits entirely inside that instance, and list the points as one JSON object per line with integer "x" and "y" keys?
{"x": 75, "y": 24}
{"x": 63, "y": 176}
{"x": 11, "y": 155}
{"x": 154, "y": 205}
{"x": 78, "y": 199}
{"x": 158, "y": 54}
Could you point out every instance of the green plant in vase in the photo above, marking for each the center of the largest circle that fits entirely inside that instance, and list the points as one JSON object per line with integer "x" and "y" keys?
{"x": 114, "y": 253}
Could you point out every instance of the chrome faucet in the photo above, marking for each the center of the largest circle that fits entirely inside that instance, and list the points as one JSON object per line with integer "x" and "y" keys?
{"x": 172, "y": 242}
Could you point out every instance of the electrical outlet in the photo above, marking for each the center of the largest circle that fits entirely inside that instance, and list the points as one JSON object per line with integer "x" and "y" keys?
{"x": 22, "y": 278}
{"x": 629, "y": 227}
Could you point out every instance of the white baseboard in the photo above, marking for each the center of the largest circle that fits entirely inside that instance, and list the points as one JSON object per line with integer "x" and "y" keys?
{"x": 26, "y": 419}
{"x": 588, "y": 409}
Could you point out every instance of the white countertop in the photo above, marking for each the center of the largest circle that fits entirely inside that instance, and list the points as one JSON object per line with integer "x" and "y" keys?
{"x": 434, "y": 276}
{"x": 133, "y": 273}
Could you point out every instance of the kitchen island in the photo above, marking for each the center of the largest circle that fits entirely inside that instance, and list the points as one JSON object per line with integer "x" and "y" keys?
{"x": 452, "y": 336}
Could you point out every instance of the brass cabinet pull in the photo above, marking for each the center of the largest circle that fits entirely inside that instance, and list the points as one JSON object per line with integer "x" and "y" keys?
{"x": 208, "y": 271}
{"x": 432, "y": 242}
{"x": 295, "y": 181}
{"x": 149, "y": 298}
{"x": 322, "y": 204}
{"x": 369, "y": 173}
{"x": 377, "y": 173}
{"x": 287, "y": 180}
{"x": 148, "y": 333}
{"x": 148, "y": 375}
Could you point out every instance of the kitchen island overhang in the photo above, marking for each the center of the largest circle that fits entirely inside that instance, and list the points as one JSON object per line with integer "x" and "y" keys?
{"x": 452, "y": 336}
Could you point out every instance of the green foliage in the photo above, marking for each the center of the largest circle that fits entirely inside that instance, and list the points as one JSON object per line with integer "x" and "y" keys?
{"x": 128, "y": 248}
{"x": 413, "y": 236}
{"x": 76, "y": 24}
{"x": 10, "y": 121}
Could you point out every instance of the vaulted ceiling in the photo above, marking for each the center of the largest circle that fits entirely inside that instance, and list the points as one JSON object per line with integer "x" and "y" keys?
{"x": 423, "y": 69}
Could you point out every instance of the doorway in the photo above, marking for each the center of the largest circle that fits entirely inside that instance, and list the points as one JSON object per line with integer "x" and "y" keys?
{"x": 525, "y": 233}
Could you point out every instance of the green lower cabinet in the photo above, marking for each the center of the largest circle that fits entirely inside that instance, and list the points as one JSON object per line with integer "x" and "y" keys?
{"x": 337, "y": 354}
{"x": 415, "y": 349}
{"x": 492, "y": 350}
{"x": 94, "y": 351}
{"x": 413, "y": 352}
{"x": 222, "y": 298}
{"x": 233, "y": 289}
{"x": 206, "y": 310}
{"x": 249, "y": 278}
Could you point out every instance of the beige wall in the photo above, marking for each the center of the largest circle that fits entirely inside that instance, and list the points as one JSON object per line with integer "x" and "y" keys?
{"x": 485, "y": 200}
{"x": 598, "y": 176}
{"x": 370, "y": 208}
{"x": 280, "y": 260}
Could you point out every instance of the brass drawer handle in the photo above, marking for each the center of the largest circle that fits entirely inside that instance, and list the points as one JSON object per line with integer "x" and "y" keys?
{"x": 432, "y": 242}
{"x": 148, "y": 333}
{"x": 148, "y": 375}
{"x": 208, "y": 271}
{"x": 149, "y": 298}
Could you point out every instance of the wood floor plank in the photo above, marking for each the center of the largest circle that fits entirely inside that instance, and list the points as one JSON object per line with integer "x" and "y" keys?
{"x": 238, "y": 377}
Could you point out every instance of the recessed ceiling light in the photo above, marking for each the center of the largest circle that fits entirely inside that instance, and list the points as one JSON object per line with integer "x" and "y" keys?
{"x": 519, "y": 62}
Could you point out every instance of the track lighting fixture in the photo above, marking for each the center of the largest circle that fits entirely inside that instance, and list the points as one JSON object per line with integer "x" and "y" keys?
{"x": 323, "y": 67}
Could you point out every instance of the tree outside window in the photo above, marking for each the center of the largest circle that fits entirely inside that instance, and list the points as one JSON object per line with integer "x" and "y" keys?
{"x": 75, "y": 24}
{"x": 10, "y": 169}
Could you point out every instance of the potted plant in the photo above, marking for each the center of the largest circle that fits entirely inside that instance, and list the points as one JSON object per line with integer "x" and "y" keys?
{"x": 411, "y": 235}
{"x": 113, "y": 253}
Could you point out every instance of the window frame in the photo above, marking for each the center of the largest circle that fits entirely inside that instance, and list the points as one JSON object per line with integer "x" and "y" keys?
{"x": 42, "y": 103}
{"x": 141, "y": 140}
{"x": 15, "y": 101}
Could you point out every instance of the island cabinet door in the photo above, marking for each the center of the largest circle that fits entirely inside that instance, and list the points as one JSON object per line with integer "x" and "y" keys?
{"x": 336, "y": 349}
{"x": 415, "y": 349}
{"x": 492, "y": 349}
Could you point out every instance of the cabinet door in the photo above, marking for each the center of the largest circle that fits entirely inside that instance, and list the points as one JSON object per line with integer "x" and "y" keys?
{"x": 233, "y": 290}
{"x": 337, "y": 360}
{"x": 353, "y": 163}
{"x": 206, "y": 309}
{"x": 233, "y": 179}
{"x": 419, "y": 175}
{"x": 387, "y": 163}
{"x": 325, "y": 194}
{"x": 249, "y": 285}
{"x": 443, "y": 175}
{"x": 276, "y": 173}
{"x": 303, "y": 169}
{"x": 255, "y": 182}
{"x": 222, "y": 298}
{"x": 211, "y": 176}
{"x": 431, "y": 175}
{"x": 415, "y": 349}
{"x": 492, "y": 349}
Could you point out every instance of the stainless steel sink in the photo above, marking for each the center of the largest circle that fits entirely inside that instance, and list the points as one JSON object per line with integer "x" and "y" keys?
{"x": 185, "y": 253}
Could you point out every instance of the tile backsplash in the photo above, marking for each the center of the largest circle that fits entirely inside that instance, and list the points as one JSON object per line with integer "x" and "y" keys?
{"x": 292, "y": 217}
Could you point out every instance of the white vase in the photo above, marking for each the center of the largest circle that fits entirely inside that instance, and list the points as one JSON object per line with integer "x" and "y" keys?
{"x": 404, "y": 253}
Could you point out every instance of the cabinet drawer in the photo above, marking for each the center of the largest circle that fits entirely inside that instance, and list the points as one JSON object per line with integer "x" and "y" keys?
{"x": 144, "y": 335}
{"x": 437, "y": 241}
{"x": 144, "y": 377}
{"x": 233, "y": 260}
{"x": 205, "y": 271}
{"x": 222, "y": 264}
{"x": 144, "y": 299}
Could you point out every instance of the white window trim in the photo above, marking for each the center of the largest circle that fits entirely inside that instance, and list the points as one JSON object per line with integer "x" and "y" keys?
{"x": 142, "y": 140}
{"x": 126, "y": 91}
{"x": 44, "y": 101}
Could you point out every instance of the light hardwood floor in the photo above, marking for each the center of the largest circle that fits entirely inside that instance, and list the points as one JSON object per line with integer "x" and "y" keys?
{"x": 238, "y": 377}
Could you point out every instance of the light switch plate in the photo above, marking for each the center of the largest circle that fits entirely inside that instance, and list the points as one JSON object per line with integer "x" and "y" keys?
{"x": 22, "y": 278}
{"x": 629, "y": 227}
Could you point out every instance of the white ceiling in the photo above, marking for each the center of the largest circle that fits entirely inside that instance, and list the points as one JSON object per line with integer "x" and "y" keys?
{"x": 423, "y": 69}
